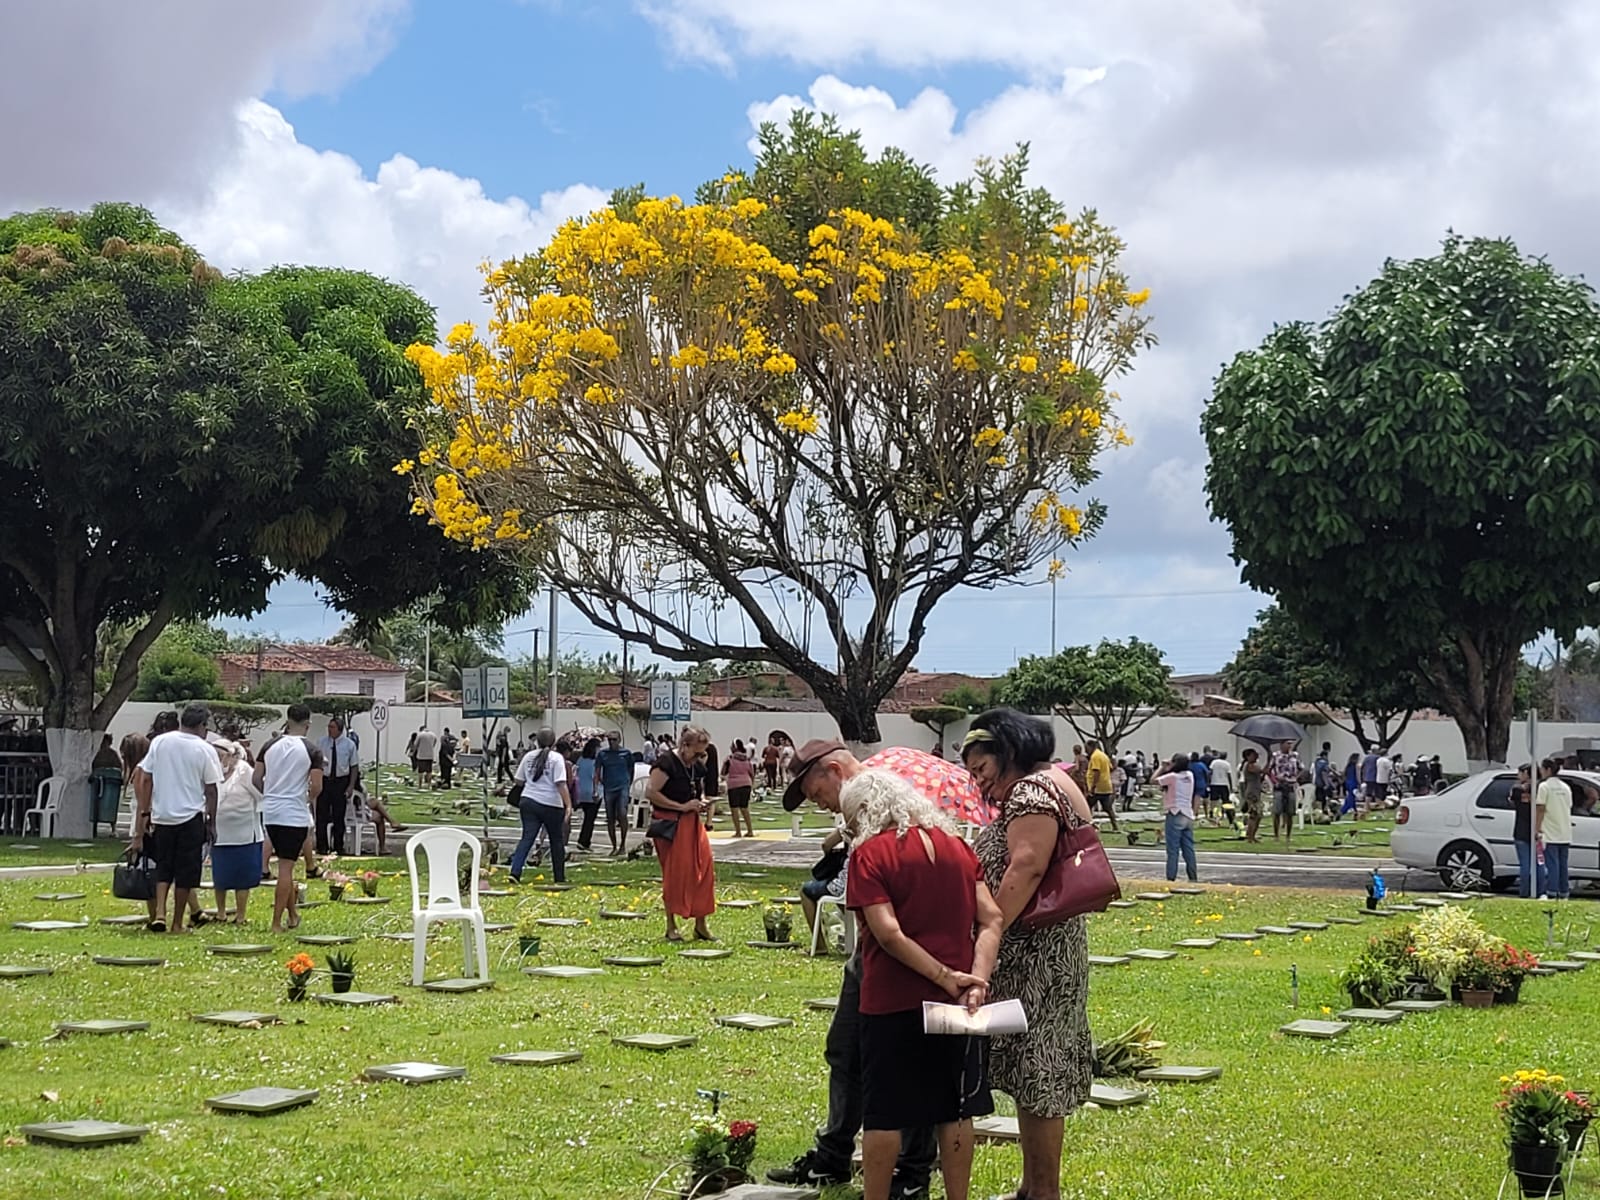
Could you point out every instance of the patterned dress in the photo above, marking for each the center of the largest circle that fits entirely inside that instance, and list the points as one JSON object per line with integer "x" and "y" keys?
{"x": 1047, "y": 1070}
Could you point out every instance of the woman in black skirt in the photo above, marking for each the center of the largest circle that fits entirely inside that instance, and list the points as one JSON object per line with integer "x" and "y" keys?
{"x": 932, "y": 931}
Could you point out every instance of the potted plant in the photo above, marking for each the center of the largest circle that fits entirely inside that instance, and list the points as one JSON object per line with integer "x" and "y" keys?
{"x": 1583, "y": 1112}
{"x": 1444, "y": 942}
{"x": 369, "y": 883}
{"x": 778, "y": 922}
{"x": 528, "y": 940}
{"x": 1536, "y": 1107}
{"x": 1479, "y": 979}
{"x": 719, "y": 1158}
{"x": 1370, "y": 980}
{"x": 342, "y": 969}
{"x": 301, "y": 968}
{"x": 337, "y": 882}
{"x": 1512, "y": 966}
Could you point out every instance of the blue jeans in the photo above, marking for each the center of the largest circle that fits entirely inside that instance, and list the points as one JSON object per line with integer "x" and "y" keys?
{"x": 552, "y": 819}
{"x": 1179, "y": 835}
{"x": 1530, "y": 874}
{"x": 1555, "y": 868}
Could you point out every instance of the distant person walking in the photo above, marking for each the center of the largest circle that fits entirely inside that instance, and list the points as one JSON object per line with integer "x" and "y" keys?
{"x": 1220, "y": 798}
{"x": 176, "y": 791}
{"x": 585, "y": 792}
{"x": 1177, "y": 801}
{"x": 424, "y": 745}
{"x": 1525, "y": 835}
{"x": 1285, "y": 774}
{"x": 1098, "y": 782}
{"x": 341, "y": 776}
{"x": 1555, "y": 828}
{"x": 545, "y": 803}
{"x": 1251, "y": 786}
{"x": 289, "y": 776}
{"x": 615, "y": 767}
{"x": 1352, "y": 787}
{"x": 769, "y": 763}
{"x": 739, "y": 773}
{"x": 677, "y": 827}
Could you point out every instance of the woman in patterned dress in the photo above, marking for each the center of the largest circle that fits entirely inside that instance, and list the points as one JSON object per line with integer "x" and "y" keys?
{"x": 1047, "y": 1070}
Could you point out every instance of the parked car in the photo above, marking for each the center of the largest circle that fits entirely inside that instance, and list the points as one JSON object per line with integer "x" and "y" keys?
{"x": 1464, "y": 831}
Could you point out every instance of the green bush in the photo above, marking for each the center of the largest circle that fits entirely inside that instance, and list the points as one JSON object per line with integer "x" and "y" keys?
{"x": 172, "y": 673}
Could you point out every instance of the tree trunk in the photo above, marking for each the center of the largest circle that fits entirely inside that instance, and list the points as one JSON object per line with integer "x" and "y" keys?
{"x": 1476, "y": 689}
{"x": 72, "y": 740}
{"x": 853, "y": 706}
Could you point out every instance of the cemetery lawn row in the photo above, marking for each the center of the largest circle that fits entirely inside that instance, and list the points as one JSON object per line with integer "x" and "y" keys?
{"x": 1406, "y": 1109}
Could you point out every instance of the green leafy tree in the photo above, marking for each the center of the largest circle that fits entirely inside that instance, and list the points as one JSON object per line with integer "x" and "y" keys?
{"x": 173, "y": 443}
{"x": 171, "y": 673}
{"x": 1414, "y": 479}
{"x": 968, "y": 698}
{"x": 1281, "y": 664}
{"x": 1105, "y": 692}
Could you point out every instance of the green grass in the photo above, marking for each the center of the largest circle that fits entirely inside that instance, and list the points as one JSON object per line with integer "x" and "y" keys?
{"x": 55, "y": 852}
{"x": 1400, "y": 1111}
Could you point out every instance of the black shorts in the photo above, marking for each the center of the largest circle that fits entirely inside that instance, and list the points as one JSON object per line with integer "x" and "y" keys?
{"x": 739, "y": 797}
{"x": 424, "y": 765}
{"x": 912, "y": 1079}
{"x": 1105, "y": 800}
{"x": 1376, "y": 792}
{"x": 1219, "y": 793}
{"x": 178, "y": 851}
{"x": 288, "y": 840}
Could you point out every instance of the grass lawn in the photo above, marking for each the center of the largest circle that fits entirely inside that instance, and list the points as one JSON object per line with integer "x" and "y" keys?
{"x": 1384, "y": 1112}
{"x": 55, "y": 852}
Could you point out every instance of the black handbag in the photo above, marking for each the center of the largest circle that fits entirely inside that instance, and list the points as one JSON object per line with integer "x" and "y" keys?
{"x": 134, "y": 878}
{"x": 826, "y": 869}
{"x": 663, "y": 828}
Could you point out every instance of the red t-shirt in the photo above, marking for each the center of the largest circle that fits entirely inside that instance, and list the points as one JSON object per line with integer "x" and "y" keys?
{"x": 935, "y": 902}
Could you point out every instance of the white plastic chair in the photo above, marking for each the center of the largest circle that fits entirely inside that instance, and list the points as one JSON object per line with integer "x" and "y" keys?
{"x": 442, "y": 847}
{"x": 47, "y": 803}
{"x": 847, "y": 921}
{"x": 357, "y": 822}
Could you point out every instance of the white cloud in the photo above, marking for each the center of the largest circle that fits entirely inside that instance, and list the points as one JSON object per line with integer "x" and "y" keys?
{"x": 107, "y": 99}
{"x": 274, "y": 200}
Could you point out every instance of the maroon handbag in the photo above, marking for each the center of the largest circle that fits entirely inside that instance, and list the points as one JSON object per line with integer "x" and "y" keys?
{"x": 1079, "y": 878}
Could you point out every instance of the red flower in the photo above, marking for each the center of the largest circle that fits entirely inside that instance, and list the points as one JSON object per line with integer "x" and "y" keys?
{"x": 739, "y": 1130}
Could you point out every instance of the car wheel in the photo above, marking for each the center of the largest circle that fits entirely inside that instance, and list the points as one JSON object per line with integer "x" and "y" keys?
{"x": 1465, "y": 867}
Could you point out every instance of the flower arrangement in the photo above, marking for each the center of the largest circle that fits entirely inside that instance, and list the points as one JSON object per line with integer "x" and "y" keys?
{"x": 337, "y": 882}
{"x": 342, "y": 969}
{"x": 1499, "y": 967}
{"x": 1536, "y": 1107}
{"x": 301, "y": 968}
{"x": 1379, "y": 973}
{"x": 369, "y": 882}
{"x": 1444, "y": 942}
{"x": 778, "y": 922}
{"x": 722, "y": 1152}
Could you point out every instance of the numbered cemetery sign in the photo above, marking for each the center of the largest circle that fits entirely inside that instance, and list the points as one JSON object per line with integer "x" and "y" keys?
{"x": 496, "y": 692}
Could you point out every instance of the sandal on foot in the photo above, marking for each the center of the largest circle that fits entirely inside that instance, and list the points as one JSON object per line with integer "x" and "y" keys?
{"x": 157, "y": 927}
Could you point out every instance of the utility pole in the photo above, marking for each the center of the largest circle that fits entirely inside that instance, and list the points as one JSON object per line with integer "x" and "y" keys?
{"x": 622, "y": 685}
{"x": 427, "y": 665}
{"x": 555, "y": 697}
{"x": 535, "y": 688}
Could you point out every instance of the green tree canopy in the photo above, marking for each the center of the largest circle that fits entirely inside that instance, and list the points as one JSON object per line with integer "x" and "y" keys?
{"x": 173, "y": 443}
{"x": 1415, "y": 479}
{"x": 171, "y": 673}
{"x": 1281, "y": 664}
{"x": 1105, "y": 692}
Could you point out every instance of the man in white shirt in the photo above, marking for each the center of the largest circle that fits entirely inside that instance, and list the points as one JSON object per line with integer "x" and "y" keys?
{"x": 1555, "y": 828}
{"x": 423, "y": 749}
{"x": 289, "y": 776}
{"x": 175, "y": 787}
{"x": 1384, "y": 769}
{"x": 341, "y": 774}
{"x": 1220, "y": 800}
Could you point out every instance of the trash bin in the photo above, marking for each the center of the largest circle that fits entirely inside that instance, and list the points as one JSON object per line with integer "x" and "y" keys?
{"x": 105, "y": 794}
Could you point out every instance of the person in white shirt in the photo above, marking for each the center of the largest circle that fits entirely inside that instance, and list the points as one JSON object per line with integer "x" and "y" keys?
{"x": 541, "y": 795}
{"x": 1220, "y": 799}
{"x": 1177, "y": 788}
{"x": 236, "y": 849}
{"x": 341, "y": 775}
{"x": 425, "y": 744}
{"x": 289, "y": 777}
{"x": 1385, "y": 773}
{"x": 1555, "y": 828}
{"x": 175, "y": 788}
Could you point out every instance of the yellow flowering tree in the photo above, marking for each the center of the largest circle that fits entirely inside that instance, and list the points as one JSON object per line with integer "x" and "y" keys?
{"x": 783, "y": 420}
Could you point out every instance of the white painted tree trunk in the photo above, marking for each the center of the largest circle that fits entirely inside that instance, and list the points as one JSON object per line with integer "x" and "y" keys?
{"x": 72, "y": 754}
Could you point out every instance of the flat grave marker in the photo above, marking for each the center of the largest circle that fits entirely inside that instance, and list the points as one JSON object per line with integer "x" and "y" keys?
{"x": 1156, "y": 896}
{"x": 737, "y": 903}
{"x": 19, "y": 972}
{"x": 785, "y": 900}
{"x": 1374, "y": 1016}
{"x": 996, "y": 1129}
{"x": 1344, "y": 920}
{"x": 1308, "y": 925}
{"x": 765, "y": 1191}
{"x": 1381, "y": 912}
{"x": 560, "y": 922}
{"x": 326, "y": 939}
{"x": 752, "y": 874}
{"x": 705, "y": 955}
{"x": 1179, "y": 1074}
{"x": 1456, "y": 896}
{"x": 760, "y": 945}
{"x": 1562, "y": 964}
{"x": 1187, "y": 891}
{"x": 753, "y": 1021}
{"x": 611, "y": 914}
{"x": 659, "y": 1042}
{"x": 237, "y": 1018}
{"x": 1107, "y": 1096}
{"x": 608, "y": 883}
{"x": 1406, "y": 907}
{"x": 83, "y": 1133}
{"x": 633, "y": 960}
{"x": 1543, "y": 971}
{"x": 538, "y": 1058}
{"x": 1152, "y": 955}
{"x": 1276, "y": 930}
{"x": 823, "y": 1004}
{"x": 130, "y": 920}
{"x": 59, "y": 896}
{"x": 1587, "y": 956}
{"x": 1109, "y": 960}
{"x": 48, "y": 926}
{"x": 560, "y": 972}
{"x": 1201, "y": 943}
{"x": 119, "y": 960}
{"x": 413, "y": 1072}
{"x": 1411, "y": 1006}
{"x": 356, "y": 999}
{"x": 368, "y": 899}
{"x": 408, "y": 937}
{"x": 456, "y": 986}
{"x": 102, "y": 1026}
{"x": 262, "y": 1101}
{"x": 498, "y": 926}
{"x": 1122, "y": 904}
{"x": 493, "y": 892}
{"x": 552, "y": 888}
{"x": 239, "y": 949}
{"x": 1238, "y": 937}
{"x": 82, "y": 845}
{"x": 1430, "y": 902}
{"x": 1323, "y": 1030}
{"x": 26, "y": 846}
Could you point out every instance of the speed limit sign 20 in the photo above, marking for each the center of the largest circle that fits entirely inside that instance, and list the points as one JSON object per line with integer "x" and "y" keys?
{"x": 380, "y": 714}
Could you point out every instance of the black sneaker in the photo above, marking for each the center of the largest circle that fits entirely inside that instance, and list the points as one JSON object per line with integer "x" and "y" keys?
{"x": 808, "y": 1170}
{"x": 908, "y": 1191}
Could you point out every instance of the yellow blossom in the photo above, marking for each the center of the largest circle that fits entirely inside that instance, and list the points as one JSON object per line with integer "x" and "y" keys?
{"x": 690, "y": 356}
{"x": 988, "y": 437}
{"x": 964, "y": 360}
{"x": 404, "y": 467}
{"x": 1027, "y": 364}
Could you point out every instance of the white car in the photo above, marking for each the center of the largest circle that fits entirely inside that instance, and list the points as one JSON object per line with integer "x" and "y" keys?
{"x": 1464, "y": 832}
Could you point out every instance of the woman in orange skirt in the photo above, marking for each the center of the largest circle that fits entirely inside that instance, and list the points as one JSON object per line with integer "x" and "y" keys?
{"x": 688, "y": 876}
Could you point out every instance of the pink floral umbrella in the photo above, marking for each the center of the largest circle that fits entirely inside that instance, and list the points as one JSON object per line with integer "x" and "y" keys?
{"x": 948, "y": 784}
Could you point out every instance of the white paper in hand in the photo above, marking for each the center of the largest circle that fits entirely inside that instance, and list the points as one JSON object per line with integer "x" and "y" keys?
{"x": 990, "y": 1020}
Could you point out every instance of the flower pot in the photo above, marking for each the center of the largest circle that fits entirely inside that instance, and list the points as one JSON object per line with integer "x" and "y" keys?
{"x": 777, "y": 933}
{"x": 1510, "y": 995}
{"x": 297, "y": 988}
{"x": 1372, "y": 902}
{"x": 342, "y": 980}
{"x": 1477, "y": 997}
{"x": 1538, "y": 1168}
{"x": 1575, "y": 1133}
{"x": 528, "y": 945}
{"x": 369, "y": 889}
{"x": 713, "y": 1183}
{"x": 335, "y": 891}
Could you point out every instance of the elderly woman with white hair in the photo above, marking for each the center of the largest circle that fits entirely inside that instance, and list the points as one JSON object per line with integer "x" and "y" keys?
{"x": 236, "y": 854}
{"x": 932, "y": 931}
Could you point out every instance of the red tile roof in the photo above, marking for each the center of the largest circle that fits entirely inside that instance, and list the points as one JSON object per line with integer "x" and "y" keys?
{"x": 272, "y": 661}
{"x": 342, "y": 658}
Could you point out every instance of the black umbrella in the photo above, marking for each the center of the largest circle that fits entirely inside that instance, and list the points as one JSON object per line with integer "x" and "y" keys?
{"x": 1267, "y": 728}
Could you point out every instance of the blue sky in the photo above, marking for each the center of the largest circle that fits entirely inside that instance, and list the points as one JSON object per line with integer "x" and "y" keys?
{"x": 1261, "y": 158}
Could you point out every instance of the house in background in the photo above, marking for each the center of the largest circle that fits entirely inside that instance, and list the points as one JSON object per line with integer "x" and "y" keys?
{"x": 1199, "y": 691}
{"x": 320, "y": 670}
